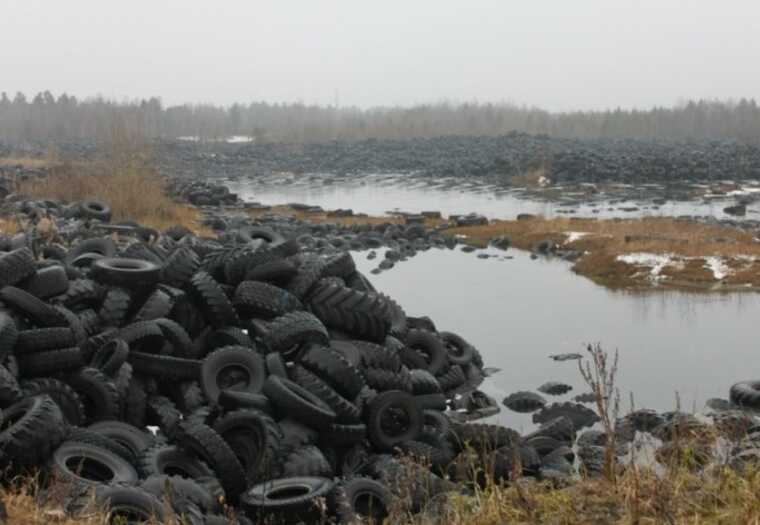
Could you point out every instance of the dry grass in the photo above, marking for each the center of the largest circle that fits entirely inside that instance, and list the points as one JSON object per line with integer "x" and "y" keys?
{"x": 533, "y": 178}
{"x": 605, "y": 240}
{"x": 29, "y": 162}
{"x": 133, "y": 191}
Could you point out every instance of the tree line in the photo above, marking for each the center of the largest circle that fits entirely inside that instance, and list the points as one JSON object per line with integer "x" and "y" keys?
{"x": 67, "y": 118}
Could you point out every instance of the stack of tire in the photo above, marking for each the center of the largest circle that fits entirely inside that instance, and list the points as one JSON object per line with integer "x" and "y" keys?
{"x": 237, "y": 378}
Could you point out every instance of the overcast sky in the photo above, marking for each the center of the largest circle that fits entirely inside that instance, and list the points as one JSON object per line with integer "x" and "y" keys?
{"x": 561, "y": 54}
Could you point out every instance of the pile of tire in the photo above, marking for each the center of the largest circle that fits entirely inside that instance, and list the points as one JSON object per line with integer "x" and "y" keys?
{"x": 243, "y": 377}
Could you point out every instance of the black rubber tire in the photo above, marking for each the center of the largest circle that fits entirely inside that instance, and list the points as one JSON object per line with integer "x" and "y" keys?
{"x": 82, "y": 293}
{"x": 165, "y": 366}
{"x": 255, "y": 439}
{"x": 203, "y": 441}
{"x": 98, "y": 465}
{"x": 47, "y": 282}
{"x": 50, "y": 362}
{"x": 8, "y": 335}
{"x": 38, "y": 312}
{"x": 345, "y": 411}
{"x": 384, "y": 404}
{"x": 333, "y": 368}
{"x": 158, "y": 305}
{"x": 235, "y": 399}
{"x": 10, "y": 392}
{"x": 162, "y": 412}
{"x": 16, "y": 266}
{"x": 423, "y": 382}
{"x": 32, "y": 429}
{"x": 113, "y": 310}
{"x": 277, "y": 272}
{"x": 129, "y": 436}
{"x": 276, "y": 365}
{"x": 162, "y": 459}
{"x": 432, "y": 346}
{"x": 339, "y": 265}
{"x": 308, "y": 461}
{"x": 345, "y": 435}
{"x": 94, "y": 209}
{"x": 180, "y": 267}
{"x": 227, "y": 336}
{"x": 97, "y": 392}
{"x": 431, "y": 401}
{"x": 426, "y": 453}
{"x": 130, "y": 505}
{"x": 247, "y": 366}
{"x": 309, "y": 272}
{"x": 212, "y": 300}
{"x": 358, "y": 281}
{"x": 61, "y": 393}
{"x": 746, "y": 394}
{"x": 109, "y": 357}
{"x": 129, "y": 273}
{"x": 142, "y": 336}
{"x": 295, "y": 330}
{"x": 179, "y": 490}
{"x": 383, "y": 380}
{"x": 85, "y": 436}
{"x": 298, "y": 403}
{"x": 459, "y": 351}
{"x": 257, "y": 299}
{"x": 177, "y": 337}
{"x": 361, "y": 499}
{"x": 364, "y": 315}
{"x": 40, "y": 339}
{"x": 276, "y": 497}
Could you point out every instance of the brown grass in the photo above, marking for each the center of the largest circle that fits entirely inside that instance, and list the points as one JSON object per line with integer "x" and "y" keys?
{"x": 29, "y": 162}
{"x": 609, "y": 238}
{"x": 133, "y": 190}
{"x": 325, "y": 218}
{"x": 533, "y": 178}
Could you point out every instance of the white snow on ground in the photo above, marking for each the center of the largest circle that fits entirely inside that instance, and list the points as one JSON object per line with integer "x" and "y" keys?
{"x": 743, "y": 191}
{"x": 718, "y": 267}
{"x": 655, "y": 261}
{"x": 574, "y": 236}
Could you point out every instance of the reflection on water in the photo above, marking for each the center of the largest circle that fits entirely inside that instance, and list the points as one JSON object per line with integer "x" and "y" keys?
{"x": 378, "y": 194}
{"x": 519, "y": 311}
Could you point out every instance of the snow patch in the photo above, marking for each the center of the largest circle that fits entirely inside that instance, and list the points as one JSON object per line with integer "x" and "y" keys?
{"x": 717, "y": 266}
{"x": 574, "y": 236}
{"x": 655, "y": 261}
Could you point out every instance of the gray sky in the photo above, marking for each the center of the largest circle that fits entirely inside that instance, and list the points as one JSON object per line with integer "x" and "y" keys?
{"x": 561, "y": 54}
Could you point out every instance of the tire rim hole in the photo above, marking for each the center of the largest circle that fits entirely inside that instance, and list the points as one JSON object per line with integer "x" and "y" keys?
{"x": 90, "y": 469}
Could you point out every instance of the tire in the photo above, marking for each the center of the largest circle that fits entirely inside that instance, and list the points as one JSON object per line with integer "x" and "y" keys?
{"x": 254, "y": 438}
{"x": 345, "y": 411}
{"x": 135, "y": 440}
{"x": 165, "y": 366}
{"x": 82, "y": 293}
{"x": 142, "y": 336}
{"x": 340, "y": 265}
{"x": 158, "y": 305}
{"x": 308, "y": 274}
{"x": 62, "y": 394}
{"x": 113, "y": 311}
{"x": 50, "y": 362}
{"x": 216, "y": 308}
{"x": 162, "y": 459}
{"x": 177, "y": 336}
{"x": 10, "y": 392}
{"x": 109, "y": 357}
{"x": 227, "y": 336}
{"x": 203, "y": 441}
{"x": 430, "y": 345}
{"x": 306, "y": 461}
{"x": 298, "y": 403}
{"x": 276, "y": 365}
{"x": 295, "y": 498}
{"x": 364, "y": 315}
{"x": 383, "y": 405}
{"x": 130, "y": 505}
{"x": 179, "y": 489}
{"x": 459, "y": 351}
{"x": 40, "y": 339}
{"x": 361, "y": 499}
{"x": 8, "y": 335}
{"x": 47, "y": 282}
{"x": 295, "y": 330}
{"x": 38, "y": 312}
{"x": 746, "y": 394}
{"x": 92, "y": 209}
{"x": 32, "y": 429}
{"x": 423, "y": 382}
{"x": 277, "y": 272}
{"x": 180, "y": 267}
{"x": 235, "y": 399}
{"x": 16, "y": 266}
{"x": 97, "y": 392}
{"x": 129, "y": 273}
{"x": 345, "y": 435}
{"x": 334, "y": 369}
{"x": 232, "y": 367}
{"x": 86, "y": 464}
{"x": 87, "y": 437}
{"x": 256, "y": 299}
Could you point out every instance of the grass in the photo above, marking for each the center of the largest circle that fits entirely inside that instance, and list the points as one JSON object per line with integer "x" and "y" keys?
{"x": 604, "y": 240}
{"x": 326, "y": 218}
{"x": 132, "y": 189}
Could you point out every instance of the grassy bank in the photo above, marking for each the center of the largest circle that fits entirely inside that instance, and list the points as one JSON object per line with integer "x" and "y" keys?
{"x": 639, "y": 253}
